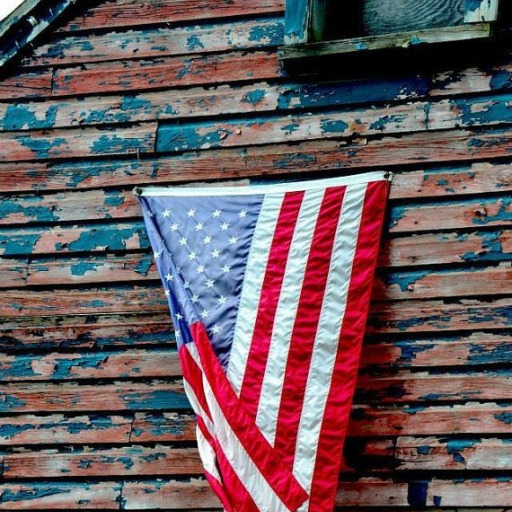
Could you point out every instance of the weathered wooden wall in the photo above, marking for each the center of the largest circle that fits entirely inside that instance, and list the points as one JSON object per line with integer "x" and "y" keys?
{"x": 131, "y": 92}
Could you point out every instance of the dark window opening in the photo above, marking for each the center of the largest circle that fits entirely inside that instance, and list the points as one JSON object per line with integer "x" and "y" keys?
{"x": 361, "y": 18}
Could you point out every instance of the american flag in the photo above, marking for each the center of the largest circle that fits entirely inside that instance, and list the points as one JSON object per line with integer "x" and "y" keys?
{"x": 269, "y": 288}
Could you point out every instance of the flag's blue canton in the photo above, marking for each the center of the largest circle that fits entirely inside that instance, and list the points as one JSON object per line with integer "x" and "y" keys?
{"x": 203, "y": 245}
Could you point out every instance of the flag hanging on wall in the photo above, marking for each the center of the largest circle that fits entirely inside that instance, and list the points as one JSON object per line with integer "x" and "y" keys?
{"x": 269, "y": 288}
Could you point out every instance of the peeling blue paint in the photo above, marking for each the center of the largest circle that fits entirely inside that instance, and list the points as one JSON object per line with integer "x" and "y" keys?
{"x": 19, "y": 117}
{"x": 105, "y": 236}
{"x": 271, "y": 34}
{"x": 144, "y": 265}
{"x": 194, "y": 136}
{"x": 504, "y": 212}
{"x": 254, "y": 97}
{"x": 505, "y": 417}
{"x": 94, "y": 304}
{"x": 14, "y": 243}
{"x": 410, "y": 350}
{"x": 381, "y": 123}
{"x": 156, "y": 400}
{"x": 437, "y": 500}
{"x": 481, "y": 355}
{"x": 10, "y": 402}
{"x": 488, "y": 110}
{"x": 82, "y": 267}
{"x": 290, "y": 128}
{"x": 489, "y": 143}
{"x": 454, "y": 447}
{"x": 329, "y": 126}
{"x": 34, "y": 493}
{"x": 501, "y": 79}
{"x": 406, "y": 280}
{"x": 396, "y": 214}
{"x": 64, "y": 368}
{"x": 413, "y": 409}
{"x": 10, "y": 431}
{"x": 350, "y": 93}
{"x": 405, "y": 325}
{"x": 153, "y": 457}
{"x": 19, "y": 367}
{"x": 133, "y": 104}
{"x": 41, "y": 148}
{"x": 424, "y": 449}
{"x": 193, "y": 42}
{"x": 114, "y": 198}
{"x": 112, "y": 143}
{"x": 126, "y": 462}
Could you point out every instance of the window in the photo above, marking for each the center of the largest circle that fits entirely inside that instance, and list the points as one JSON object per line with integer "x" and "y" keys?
{"x": 336, "y": 27}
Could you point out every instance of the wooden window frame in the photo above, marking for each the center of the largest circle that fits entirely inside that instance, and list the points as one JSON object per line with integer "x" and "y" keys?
{"x": 304, "y": 32}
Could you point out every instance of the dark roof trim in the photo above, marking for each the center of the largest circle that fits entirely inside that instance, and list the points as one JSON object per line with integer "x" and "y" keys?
{"x": 27, "y": 22}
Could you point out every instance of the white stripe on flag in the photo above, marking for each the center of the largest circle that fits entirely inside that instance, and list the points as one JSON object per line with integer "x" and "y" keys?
{"x": 248, "y": 473}
{"x": 272, "y": 386}
{"x": 196, "y": 406}
{"x": 326, "y": 340}
{"x": 207, "y": 454}
{"x": 251, "y": 289}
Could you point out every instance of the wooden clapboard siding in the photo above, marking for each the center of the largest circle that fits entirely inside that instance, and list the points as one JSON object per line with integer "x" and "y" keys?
{"x": 133, "y": 92}
{"x": 131, "y": 13}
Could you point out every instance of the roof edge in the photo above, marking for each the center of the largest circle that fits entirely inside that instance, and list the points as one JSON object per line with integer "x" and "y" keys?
{"x": 26, "y": 22}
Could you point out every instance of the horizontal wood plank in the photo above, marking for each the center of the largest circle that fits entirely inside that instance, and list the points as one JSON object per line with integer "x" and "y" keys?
{"x": 165, "y": 72}
{"x": 77, "y": 143}
{"x": 424, "y": 284}
{"x": 438, "y": 316}
{"x": 453, "y": 454}
{"x": 259, "y": 97}
{"x": 190, "y": 102}
{"x": 125, "y": 461}
{"x": 470, "y": 418}
{"x": 158, "y": 42}
{"x": 26, "y": 85}
{"x": 442, "y": 248}
{"x": 86, "y": 332}
{"x": 410, "y": 453}
{"x": 279, "y": 160}
{"x": 57, "y": 429}
{"x": 417, "y": 250}
{"x": 130, "y": 13}
{"x": 415, "y": 316}
{"x": 405, "y": 386}
{"x": 476, "y": 349}
{"x": 368, "y": 492}
{"x": 471, "y": 80}
{"x": 402, "y": 118}
{"x": 411, "y": 420}
{"x": 172, "y": 494}
{"x": 122, "y": 204}
{"x": 69, "y": 397}
{"x": 380, "y": 493}
{"x": 423, "y": 386}
{"x": 60, "y": 496}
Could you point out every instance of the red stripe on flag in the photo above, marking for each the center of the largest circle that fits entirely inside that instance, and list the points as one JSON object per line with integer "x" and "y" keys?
{"x": 218, "y": 487}
{"x": 268, "y": 461}
{"x": 306, "y": 323}
{"x": 339, "y": 401}
{"x": 269, "y": 298}
{"x": 239, "y": 499}
{"x": 194, "y": 376}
